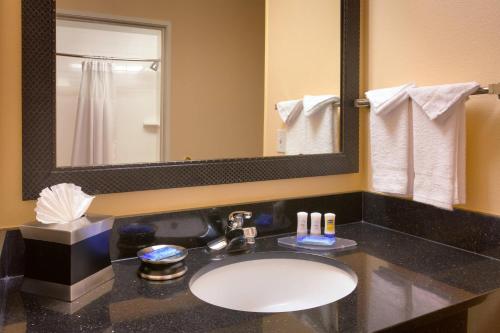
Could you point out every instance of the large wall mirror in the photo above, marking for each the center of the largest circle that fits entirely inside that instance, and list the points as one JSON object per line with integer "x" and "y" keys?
{"x": 132, "y": 95}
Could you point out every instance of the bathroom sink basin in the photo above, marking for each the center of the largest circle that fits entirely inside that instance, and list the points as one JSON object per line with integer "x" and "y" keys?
{"x": 273, "y": 282}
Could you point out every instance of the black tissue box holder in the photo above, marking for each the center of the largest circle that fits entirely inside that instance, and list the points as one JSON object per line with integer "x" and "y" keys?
{"x": 66, "y": 261}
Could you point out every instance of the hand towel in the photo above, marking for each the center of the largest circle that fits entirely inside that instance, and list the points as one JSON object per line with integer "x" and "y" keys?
{"x": 390, "y": 139}
{"x": 314, "y": 104}
{"x": 289, "y": 109}
{"x": 439, "y": 143}
{"x": 321, "y": 132}
{"x": 291, "y": 114}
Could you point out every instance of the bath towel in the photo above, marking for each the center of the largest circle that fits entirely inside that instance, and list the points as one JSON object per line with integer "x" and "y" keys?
{"x": 291, "y": 114}
{"x": 439, "y": 143}
{"x": 391, "y": 140}
{"x": 321, "y": 132}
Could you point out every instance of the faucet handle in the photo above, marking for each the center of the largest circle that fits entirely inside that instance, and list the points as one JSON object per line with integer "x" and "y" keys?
{"x": 237, "y": 218}
{"x": 250, "y": 233}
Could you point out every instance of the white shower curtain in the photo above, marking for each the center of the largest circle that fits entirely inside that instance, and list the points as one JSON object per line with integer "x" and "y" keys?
{"x": 93, "y": 143}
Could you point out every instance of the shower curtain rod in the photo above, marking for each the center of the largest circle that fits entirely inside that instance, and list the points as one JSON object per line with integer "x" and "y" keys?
{"x": 105, "y": 58}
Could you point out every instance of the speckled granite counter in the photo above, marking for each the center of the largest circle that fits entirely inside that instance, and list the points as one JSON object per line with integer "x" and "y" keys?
{"x": 404, "y": 282}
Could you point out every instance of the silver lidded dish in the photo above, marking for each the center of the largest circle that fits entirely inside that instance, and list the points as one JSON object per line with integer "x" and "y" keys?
{"x": 170, "y": 268}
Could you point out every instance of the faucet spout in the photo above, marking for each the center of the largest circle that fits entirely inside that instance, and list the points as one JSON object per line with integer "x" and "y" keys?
{"x": 236, "y": 219}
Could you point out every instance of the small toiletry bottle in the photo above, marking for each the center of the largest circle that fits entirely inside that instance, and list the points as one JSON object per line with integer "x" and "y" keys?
{"x": 315, "y": 223}
{"x": 301, "y": 224}
{"x": 330, "y": 225}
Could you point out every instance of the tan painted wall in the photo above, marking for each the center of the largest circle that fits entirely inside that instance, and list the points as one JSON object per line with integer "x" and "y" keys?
{"x": 433, "y": 42}
{"x": 13, "y": 211}
{"x": 303, "y": 56}
{"x": 217, "y": 71}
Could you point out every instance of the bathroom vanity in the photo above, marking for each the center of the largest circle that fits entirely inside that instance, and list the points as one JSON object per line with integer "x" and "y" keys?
{"x": 404, "y": 283}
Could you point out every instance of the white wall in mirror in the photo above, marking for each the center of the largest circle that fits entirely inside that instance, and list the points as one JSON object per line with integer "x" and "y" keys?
{"x": 136, "y": 91}
{"x": 225, "y": 64}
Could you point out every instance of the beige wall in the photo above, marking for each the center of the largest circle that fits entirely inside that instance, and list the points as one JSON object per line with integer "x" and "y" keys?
{"x": 217, "y": 71}
{"x": 14, "y": 211}
{"x": 302, "y": 56}
{"x": 433, "y": 42}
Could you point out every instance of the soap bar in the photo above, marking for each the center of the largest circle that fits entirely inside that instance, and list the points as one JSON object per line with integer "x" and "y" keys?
{"x": 316, "y": 240}
{"x": 160, "y": 254}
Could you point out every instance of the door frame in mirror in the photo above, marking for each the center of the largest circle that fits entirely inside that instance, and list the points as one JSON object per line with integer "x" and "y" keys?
{"x": 39, "y": 126}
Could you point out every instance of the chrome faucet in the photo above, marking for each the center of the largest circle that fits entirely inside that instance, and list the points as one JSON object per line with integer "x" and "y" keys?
{"x": 236, "y": 219}
{"x": 236, "y": 236}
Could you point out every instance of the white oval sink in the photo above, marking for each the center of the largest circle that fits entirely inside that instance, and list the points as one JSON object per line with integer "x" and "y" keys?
{"x": 273, "y": 282}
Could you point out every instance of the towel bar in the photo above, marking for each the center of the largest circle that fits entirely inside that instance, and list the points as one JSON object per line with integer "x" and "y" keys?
{"x": 336, "y": 104}
{"x": 493, "y": 89}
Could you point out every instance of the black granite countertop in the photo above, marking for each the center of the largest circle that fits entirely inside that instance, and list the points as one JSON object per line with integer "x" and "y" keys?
{"x": 403, "y": 281}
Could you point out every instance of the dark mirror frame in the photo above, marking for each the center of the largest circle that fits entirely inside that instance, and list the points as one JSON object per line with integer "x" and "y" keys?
{"x": 39, "y": 126}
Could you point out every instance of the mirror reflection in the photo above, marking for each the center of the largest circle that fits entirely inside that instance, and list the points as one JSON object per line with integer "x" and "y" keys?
{"x": 157, "y": 81}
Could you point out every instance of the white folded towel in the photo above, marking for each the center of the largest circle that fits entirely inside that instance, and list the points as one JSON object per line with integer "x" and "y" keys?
{"x": 293, "y": 117}
{"x": 439, "y": 143}
{"x": 310, "y": 125}
{"x": 390, "y": 138}
{"x": 313, "y": 104}
{"x": 321, "y": 134}
{"x": 289, "y": 109}
{"x": 295, "y": 134}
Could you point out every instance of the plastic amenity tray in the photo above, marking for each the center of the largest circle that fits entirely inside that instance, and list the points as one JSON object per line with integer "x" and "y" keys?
{"x": 341, "y": 244}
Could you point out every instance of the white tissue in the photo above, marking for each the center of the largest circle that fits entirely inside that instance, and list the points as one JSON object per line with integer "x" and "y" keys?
{"x": 62, "y": 203}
